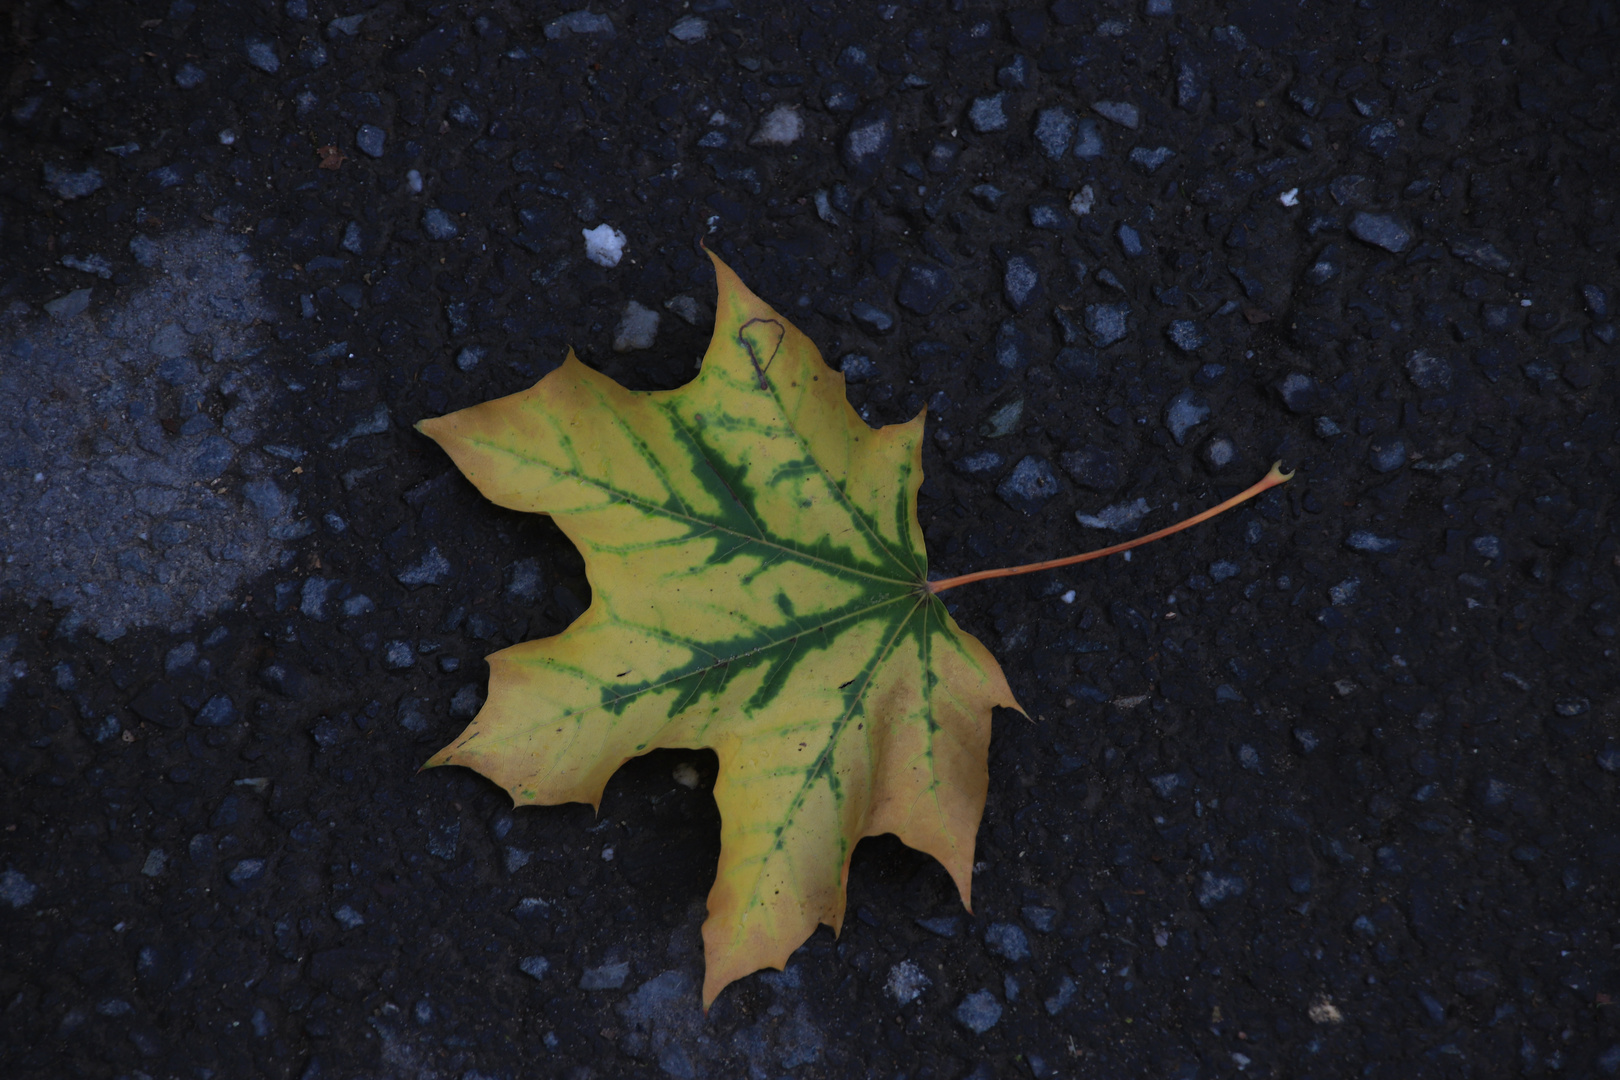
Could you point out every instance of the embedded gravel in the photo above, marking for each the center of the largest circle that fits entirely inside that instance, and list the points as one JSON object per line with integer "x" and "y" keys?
{"x": 1324, "y": 788}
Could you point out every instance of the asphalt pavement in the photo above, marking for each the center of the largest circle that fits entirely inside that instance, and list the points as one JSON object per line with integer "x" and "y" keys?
{"x": 1323, "y": 788}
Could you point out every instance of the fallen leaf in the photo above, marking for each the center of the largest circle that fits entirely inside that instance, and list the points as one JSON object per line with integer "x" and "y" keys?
{"x": 331, "y": 157}
{"x": 759, "y": 588}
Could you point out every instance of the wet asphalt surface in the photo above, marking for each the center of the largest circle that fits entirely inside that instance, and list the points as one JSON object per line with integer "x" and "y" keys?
{"x": 1325, "y": 788}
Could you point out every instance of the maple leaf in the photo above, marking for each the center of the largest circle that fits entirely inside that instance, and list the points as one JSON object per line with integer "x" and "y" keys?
{"x": 759, "y": 587}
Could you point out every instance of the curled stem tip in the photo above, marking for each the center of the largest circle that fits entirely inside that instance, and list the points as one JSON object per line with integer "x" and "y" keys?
{"x": 1266, "y": 483}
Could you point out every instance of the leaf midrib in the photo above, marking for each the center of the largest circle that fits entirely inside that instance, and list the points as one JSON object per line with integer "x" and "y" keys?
{"x": 835, "y": 733}
{"x": 699, "y": 672}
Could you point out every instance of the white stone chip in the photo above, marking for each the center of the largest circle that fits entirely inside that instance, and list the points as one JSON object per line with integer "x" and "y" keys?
{"x": 638, "y": 328}
{"x": 604, "y": 245}
{"x": 782, "y": 126}
{"x": 1323, "y": 1011}
{"x": 1121, "y": 517}
{"x": 685, "y": 307}
{"x": 906, "y": 982}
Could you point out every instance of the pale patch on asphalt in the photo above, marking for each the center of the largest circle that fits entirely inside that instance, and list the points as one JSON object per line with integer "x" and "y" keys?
{"x": 131, "y": 492}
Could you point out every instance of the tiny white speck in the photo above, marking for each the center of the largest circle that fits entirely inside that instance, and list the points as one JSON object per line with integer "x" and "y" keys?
{"x": 607, "y": 854}
{"x": 413, "y": 180}
{"x": 1068, "y": 597}
{"x": 227, "y": 137}
{"x": 1289, "y": 197}
{"x": 39, "y": 477}
{"x": 1525, "y": 302}
{"x": 1127, "y": 556}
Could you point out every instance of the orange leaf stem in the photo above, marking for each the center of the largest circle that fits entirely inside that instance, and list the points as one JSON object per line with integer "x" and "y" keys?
{"x": 1270, "y": 480}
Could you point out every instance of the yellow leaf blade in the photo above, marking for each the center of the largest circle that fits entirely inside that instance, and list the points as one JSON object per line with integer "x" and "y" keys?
{"x": 759, "y": 587}
{"x": 905, "y": 755}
